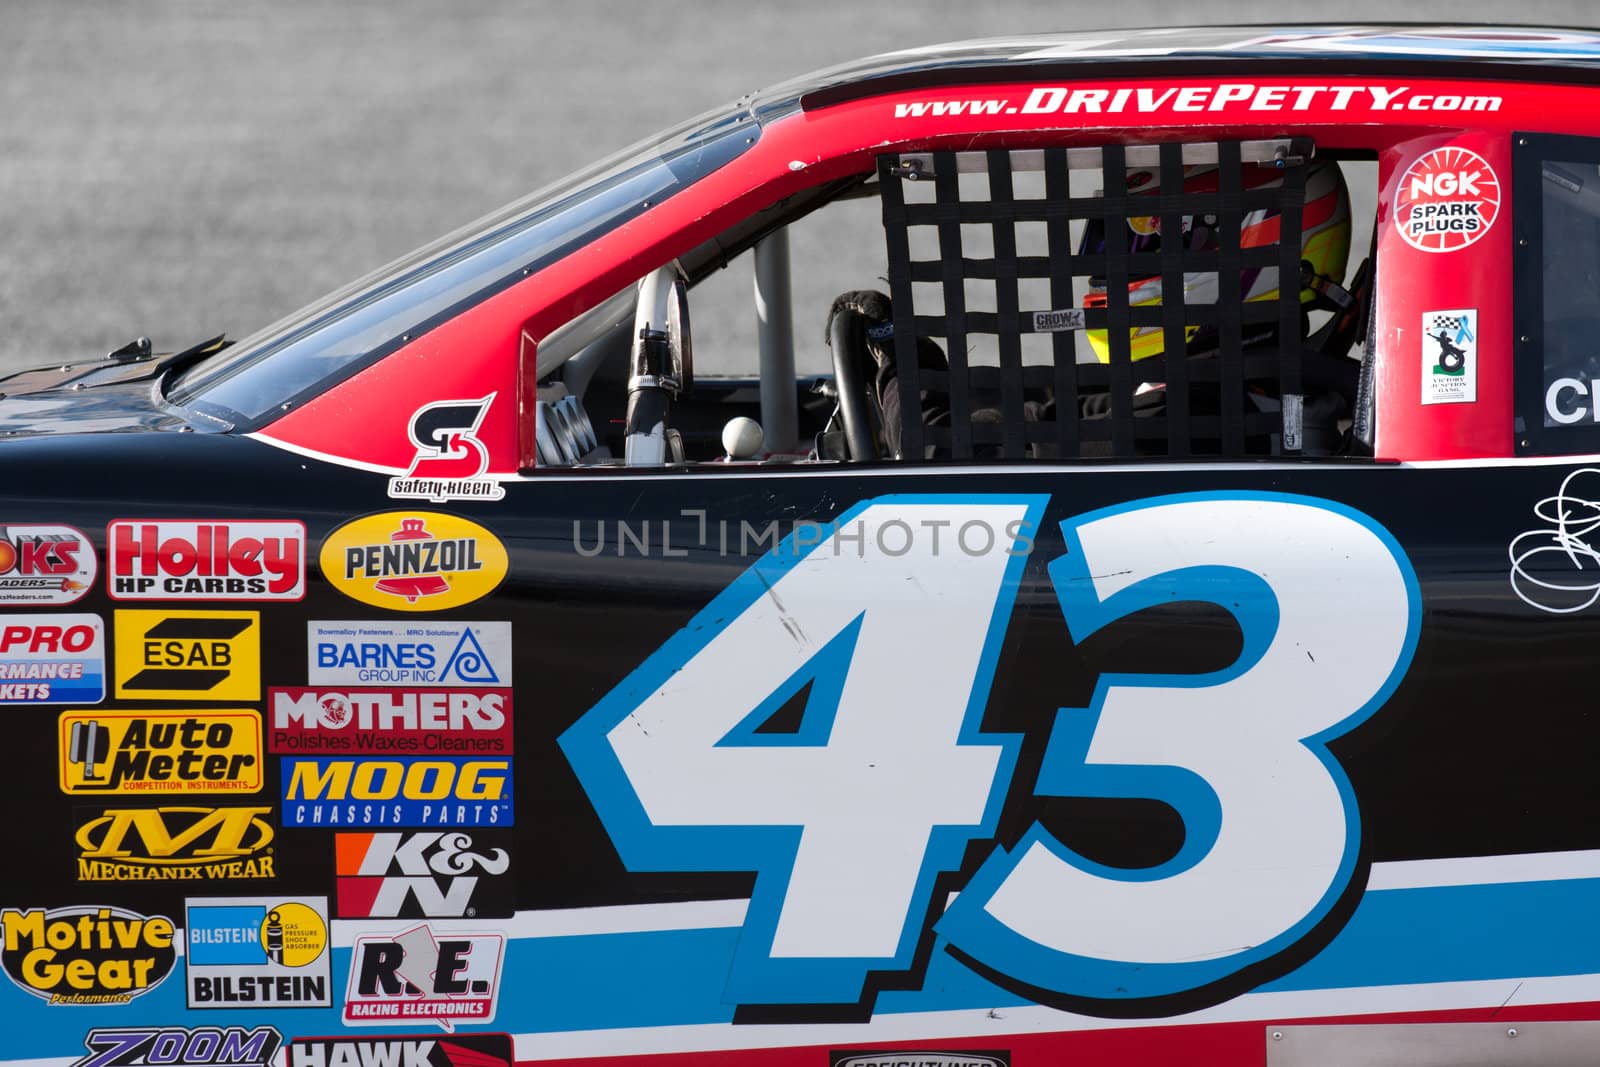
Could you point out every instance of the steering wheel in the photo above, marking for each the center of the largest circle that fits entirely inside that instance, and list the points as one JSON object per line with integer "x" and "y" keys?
{"x": 847, "y": 337}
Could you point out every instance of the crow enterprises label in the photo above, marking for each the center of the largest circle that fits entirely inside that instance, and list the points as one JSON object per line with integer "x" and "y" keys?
{"x": 413, "y": 561}
{"x": 333, "y": 721}
{"x": 41, "y": 565}
{"x": 158, "y": 752}
{"x": 1447, "y": 200}
{"x": 257, "y": 952}
{"x": 175, "y": 843}
{"x": 200, "y": 559}
{"x": 87, "y": 954}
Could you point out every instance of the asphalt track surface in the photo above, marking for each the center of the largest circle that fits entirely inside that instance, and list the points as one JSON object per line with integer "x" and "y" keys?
{"x": 180, "y": 168}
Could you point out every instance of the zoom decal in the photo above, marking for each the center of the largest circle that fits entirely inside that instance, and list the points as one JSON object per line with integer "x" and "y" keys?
{"x": 884, "y": 755}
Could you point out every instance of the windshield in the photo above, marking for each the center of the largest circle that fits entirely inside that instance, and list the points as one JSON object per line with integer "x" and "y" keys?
{"x": 303, "y": 355}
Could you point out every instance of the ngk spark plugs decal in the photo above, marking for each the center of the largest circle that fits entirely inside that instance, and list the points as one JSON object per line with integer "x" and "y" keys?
{"x": 1246, "y": 770}
{"x": 1447, "y": 200}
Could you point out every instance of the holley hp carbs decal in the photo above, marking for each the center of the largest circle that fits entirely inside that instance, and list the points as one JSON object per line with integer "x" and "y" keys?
{"x": 413, "y": 560}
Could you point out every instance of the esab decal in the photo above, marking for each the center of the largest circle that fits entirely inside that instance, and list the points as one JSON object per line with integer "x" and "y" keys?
{"x": 359, "y": 652}
{"x": 160, "y": 751}
{"x": 390, "y": 720}
{"x": 413, "y": 561}
{"x": 402, "y": 1050}
{"x": 87, "y": 954}
{"x": 45, "y": 565}
{"x": 201, "y": 559}
{"x": 408, "y": 791}
{"x": 420, "y": 976}
{"x": 52, "y": 659}
{"x": 1447, "y": 200}
{"x": 188, "y": 655}
{"x": 260, "y": 952}
{"x": 174, "y": 844}
{"x": 426, "y": 875}
{"x": 179, "y": 1046}
{"x": 450, "y": 460}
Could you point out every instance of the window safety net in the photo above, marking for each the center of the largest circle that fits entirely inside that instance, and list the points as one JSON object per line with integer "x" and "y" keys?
{"x": 1067, "y": 331}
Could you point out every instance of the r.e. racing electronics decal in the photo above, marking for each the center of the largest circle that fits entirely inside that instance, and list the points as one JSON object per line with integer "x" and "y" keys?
{"x": 890, "y": 773}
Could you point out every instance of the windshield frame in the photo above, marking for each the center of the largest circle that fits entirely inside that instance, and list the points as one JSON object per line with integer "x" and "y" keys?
{"x": 512, "y": 242}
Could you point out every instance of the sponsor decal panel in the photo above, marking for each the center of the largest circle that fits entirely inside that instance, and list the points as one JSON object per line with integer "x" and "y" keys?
{"x": 188, "y": 655}
{"x": 402, "y": 1050}
{"x": 420, "y": 976}
{"x": 149, "y": 752}
{"x": 413, "y": 560}
{"x": 52, "y": 659}
{"x": 86, "y": 955}
{"x": 439, "y": 654}
{"x": 1450, "y": 356}
{"x": 179, "y": 1046}
{"x": 428, "y": 874}
{"x": 42, "y": 565}
{"x": 919, "y": 1058}
{"x": 258, "y": 952}
{"x": 205, "y": 559}
{"x": 450, "y": 460}
{"x": 343, "y": 791}
{"x": 381, "y": 721}
{"x": 1447, "y": 200}
{"x": 179, "y": 843}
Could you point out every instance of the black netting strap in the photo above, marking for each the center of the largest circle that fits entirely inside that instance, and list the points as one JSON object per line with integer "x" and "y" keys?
{"x": 897, "y": 247}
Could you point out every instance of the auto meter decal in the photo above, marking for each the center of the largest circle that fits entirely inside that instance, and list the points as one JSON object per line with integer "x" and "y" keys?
{"x": 1447, "y": 200}
{"x": 200, "y": 559}
{"x": 155, "y": 752}
{"x": 42, "y": 565}
{"x": 89, "y": 954}
{"x": 413, "y": 560}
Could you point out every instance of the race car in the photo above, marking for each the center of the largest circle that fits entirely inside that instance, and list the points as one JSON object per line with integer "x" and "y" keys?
{"x": 1157, "y": 625}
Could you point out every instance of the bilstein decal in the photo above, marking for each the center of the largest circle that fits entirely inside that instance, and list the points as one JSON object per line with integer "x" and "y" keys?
{"x": 413, "y": 560}
{"x": 87, "y": 954}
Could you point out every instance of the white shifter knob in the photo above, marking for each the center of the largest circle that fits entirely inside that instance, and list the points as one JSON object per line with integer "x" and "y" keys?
{"x": 742, "y": 438}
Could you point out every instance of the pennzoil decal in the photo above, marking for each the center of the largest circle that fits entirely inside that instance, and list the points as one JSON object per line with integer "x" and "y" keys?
{"x": 89, "y": 954}
{"x": 42, "y": 565}
{"x": 413, "y": 560}
{"x": 149, "y": 752}
{"x": 186, "y": 843}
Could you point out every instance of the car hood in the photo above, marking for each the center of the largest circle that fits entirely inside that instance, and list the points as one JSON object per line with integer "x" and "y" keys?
{"x": 98, "y": 396}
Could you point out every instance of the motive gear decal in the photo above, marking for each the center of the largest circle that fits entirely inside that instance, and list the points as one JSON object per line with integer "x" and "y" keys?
{"x": 1448, "y": 199}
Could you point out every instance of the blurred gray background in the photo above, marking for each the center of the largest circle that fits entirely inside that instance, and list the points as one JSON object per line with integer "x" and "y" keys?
{"x": 178, "y": 168}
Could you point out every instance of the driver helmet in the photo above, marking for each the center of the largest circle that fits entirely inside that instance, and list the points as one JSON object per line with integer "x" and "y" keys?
{"x": 1324, "y": 243}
